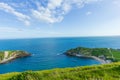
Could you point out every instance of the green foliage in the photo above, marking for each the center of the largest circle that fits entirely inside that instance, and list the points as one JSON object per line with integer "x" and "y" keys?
{"x": 116, "y": 54}
{"x": 96, "y": 72}
{"x": 1, "y": 55}
{"x": 26, "y": 76}
{"x": 8, "y": 75}
{"x": 100, "y": 51}
{"x": 96, "y": 52}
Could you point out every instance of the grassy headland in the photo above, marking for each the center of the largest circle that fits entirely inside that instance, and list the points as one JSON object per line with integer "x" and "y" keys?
{"x": 106, "y": 54}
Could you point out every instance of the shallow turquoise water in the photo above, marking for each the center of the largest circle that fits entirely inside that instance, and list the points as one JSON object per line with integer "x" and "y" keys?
{"x": 47, "y": 53}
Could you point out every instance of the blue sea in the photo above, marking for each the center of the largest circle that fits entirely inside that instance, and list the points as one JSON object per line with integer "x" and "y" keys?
{"x": 47, "y": 53}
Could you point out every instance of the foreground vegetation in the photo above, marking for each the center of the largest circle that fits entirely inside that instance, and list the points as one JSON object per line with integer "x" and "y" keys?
{"x": 99, "y": 72}
{"x": 103, "y": 53}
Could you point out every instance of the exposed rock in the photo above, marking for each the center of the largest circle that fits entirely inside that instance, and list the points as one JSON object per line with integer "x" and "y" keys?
{"x": 7, "y": 56}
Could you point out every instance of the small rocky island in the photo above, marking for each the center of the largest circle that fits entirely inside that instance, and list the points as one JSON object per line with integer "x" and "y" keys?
{"x": 104, "y": 55}
{"x": 7, "y": 56}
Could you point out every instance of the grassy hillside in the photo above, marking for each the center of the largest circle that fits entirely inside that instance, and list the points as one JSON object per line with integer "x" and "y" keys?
{"x": 107, "y": 53}
{"x": 99, "y": 72}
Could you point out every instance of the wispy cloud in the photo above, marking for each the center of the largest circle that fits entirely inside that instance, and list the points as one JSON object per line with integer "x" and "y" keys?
{"x": 22, "y": 17}
{"x": 53, "y": 12}
{"x": 88, "y": 13}
{"x": 116, "y": 2}
{"x": 57, "y": 9}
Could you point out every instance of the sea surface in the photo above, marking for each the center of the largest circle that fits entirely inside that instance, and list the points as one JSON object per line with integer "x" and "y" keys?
{"x": 47, "y": 53}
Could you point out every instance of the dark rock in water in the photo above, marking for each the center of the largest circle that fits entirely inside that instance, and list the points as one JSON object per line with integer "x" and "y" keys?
{"x": 22, "y": 54}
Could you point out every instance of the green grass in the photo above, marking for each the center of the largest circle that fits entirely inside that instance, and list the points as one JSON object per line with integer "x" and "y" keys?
{"x": 98, "y": 72}
{"x": 10, "y": 53}
{"x": 96, "y": 52}
{"x": 116, "y": 54}
{"x": 1, "y": 55}
{"x": 8, "y": 75}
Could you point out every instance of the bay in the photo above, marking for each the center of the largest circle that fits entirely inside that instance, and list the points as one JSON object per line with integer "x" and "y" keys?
{"x": 47, "y": 53}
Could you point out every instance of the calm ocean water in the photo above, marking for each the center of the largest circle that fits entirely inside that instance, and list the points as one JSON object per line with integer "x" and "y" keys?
{"x": 47, "y": 53}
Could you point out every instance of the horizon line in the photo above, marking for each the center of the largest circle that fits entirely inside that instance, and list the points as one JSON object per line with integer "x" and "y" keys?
{"x": 61, "y": 37}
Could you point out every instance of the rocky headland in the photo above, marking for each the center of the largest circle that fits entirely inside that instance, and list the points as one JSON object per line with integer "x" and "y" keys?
{"x": 7, "y": 56}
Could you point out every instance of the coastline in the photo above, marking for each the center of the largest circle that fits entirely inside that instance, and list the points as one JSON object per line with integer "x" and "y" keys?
{"x": 93, "y": 57}
{"x": 98, "y": 59}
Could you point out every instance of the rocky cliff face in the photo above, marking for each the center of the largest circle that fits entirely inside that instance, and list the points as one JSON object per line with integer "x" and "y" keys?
{"x": 6, "y": 56}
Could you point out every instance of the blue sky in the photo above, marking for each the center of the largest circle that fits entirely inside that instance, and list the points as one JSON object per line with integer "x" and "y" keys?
{"x": 59, "y": 18}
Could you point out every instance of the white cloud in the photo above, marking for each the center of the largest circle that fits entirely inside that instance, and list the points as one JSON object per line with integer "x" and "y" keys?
{"x": 116, "y": 2}
{"x": 88, "y": 13}
{"x": 20, "y": 16}
{"x": 56, "y": 9}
